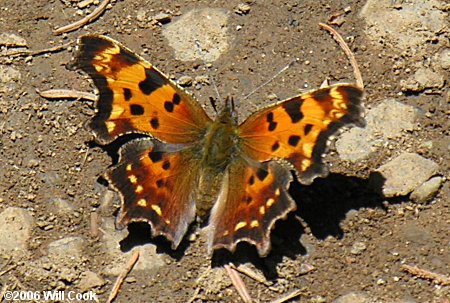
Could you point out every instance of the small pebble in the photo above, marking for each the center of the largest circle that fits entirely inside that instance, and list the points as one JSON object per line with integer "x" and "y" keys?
{"x": 163, "y": 18}
{"x": 185, "y": 81}
{"x": 242, "y": 9}
{"x": 358, "y": 247}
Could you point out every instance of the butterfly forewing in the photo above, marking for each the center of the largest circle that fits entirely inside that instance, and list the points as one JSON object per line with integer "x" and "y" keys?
{"x": 134, "y": 97}
{"x": 297, "y": 129}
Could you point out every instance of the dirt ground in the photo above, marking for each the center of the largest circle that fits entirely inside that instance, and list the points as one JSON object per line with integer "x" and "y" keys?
{"x": 344, "y": 239}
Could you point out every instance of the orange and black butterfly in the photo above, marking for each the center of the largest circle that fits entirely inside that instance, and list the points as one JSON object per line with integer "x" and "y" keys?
{"x": 188, "y": 163}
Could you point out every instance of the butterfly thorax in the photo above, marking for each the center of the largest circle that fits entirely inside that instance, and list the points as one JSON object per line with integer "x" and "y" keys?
{"x": 218, "y": 150}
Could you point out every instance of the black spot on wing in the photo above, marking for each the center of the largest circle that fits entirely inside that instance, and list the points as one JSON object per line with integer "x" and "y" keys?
{"x": 308, "y": 128}
{"x": 176, "y": 99}
{"x": 166, "y": 165}
{"x": 168, "y": 106}
{"x": 251, "y": 180}
{"x": 275, "y": 146}
{"x": 293, "y": 140}
{"x": 159, "y": 183}
{"x": 261, "y": 174}
{"x": 155, "y": 156}
{"x": 127, "y": 94}
{"x": 136, "y": 109}
{"x": 154, "y": 122}
{"x": 292, "y": 108}
{"x": 153, "y": 80}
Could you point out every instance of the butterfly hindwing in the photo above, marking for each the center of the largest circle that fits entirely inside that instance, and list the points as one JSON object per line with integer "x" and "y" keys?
{"x": 252, "y": 198}
{"x": 134, "y": 97}
{"x": 155, "y": 187}
{"x": 296, "y": 130}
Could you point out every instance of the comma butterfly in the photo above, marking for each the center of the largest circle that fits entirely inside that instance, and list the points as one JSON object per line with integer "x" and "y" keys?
{"x": 189, "y": 165}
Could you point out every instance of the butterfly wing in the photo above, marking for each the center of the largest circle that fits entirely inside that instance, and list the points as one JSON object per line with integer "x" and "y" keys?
{"x": 155, "y": 187}
{"x": 253, "y": 196}
{"x": 296, "y": 130}
{"x": 135, "y": 97}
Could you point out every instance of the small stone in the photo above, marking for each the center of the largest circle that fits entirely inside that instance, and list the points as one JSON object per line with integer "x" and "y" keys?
{"x": 427, "y": 190}
{"x": 444, "y": 58}
{"x": 33, "y": 163}
{"x": 272, "y": 96}
{"x": 163, "y": 18}
{"x": 422, "y": 79}
{"x": 89, "y": 280}
{"x": 355, "y": 144}
{"x": 9, "y": 74}
{"x": 352, "y": 297}
{"x": 202, "y": 80}
{"x": 391, "y": 117}
{"x": 70, "y": 246}
{"x": 404, "y": 174}
{"x": 185, "y": 81}
{"x": 242, "y": 9}
{"x": 358, "y": 248}
{"x": 12, "y": 40}
{"x": 140, "y": 15}
{"x": 61, "y": 206}
{"x": 16, "y": 224}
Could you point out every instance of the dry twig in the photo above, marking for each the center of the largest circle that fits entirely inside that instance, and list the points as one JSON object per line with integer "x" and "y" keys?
{"x": 3, "y": 292}
{"x": 238, "y": 284}
{"x": 66, "y": 94}
{"x": 122, "y": 276}
{"x": 289, "y": 296}
{"x": 26, "y": 52}
{"x": 425, "y": 274}
{"x": 89, "y": 18}
{"x": 251, "y": 274}
{"x": 348, "y": 52}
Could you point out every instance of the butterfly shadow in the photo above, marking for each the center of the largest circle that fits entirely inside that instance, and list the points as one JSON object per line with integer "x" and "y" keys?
{"x": 321, "y": 207}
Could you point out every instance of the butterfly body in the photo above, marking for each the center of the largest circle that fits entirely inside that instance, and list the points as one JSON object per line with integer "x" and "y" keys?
{"x": 189, "y": 165}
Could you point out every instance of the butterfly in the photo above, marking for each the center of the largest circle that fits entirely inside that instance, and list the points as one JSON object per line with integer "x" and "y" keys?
{"x": 187, "y": 165}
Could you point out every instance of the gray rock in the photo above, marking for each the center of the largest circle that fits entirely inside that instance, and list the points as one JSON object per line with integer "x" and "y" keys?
{"x": 149, "y": 260}
{"x": 358, "y": 248}
{"x": 16, "y": 224}
{"x": 390, "y": 118}
{"x": 185, "y": 81}
{"x": 355, "y": 145}
{"x": 417, "y": 235}
{"x": 416, "y": 19}
{"x": 163, "y": 17}
{"x": 9, "y": 74}
{"x": 423, "y": 78}
{"x": 61, "y": 206}
{"x": 405, "y": 173}
{"x": 444, "y": 58}
{"x": 353, "y": 297}
{"x": 12, "y": 40}
{"x": 70, "y": 246}
{"x": 427, "y": 190}
{"x": 199, "y": 34}
{"x": 385, "y": 121}
{"x": 89, "y": 280}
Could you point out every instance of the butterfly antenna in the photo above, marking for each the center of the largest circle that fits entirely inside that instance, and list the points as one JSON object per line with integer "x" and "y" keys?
{"x": 211, "y": 99}
{"x": 272, "y": 78}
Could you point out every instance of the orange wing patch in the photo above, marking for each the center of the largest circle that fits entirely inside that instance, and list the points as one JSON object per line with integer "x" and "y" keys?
{"x": 135, "y": 97}
{"x": 297, "y": 129}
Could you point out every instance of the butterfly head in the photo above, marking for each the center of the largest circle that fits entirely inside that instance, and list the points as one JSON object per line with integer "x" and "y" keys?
{"x": 228, "y": 113}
